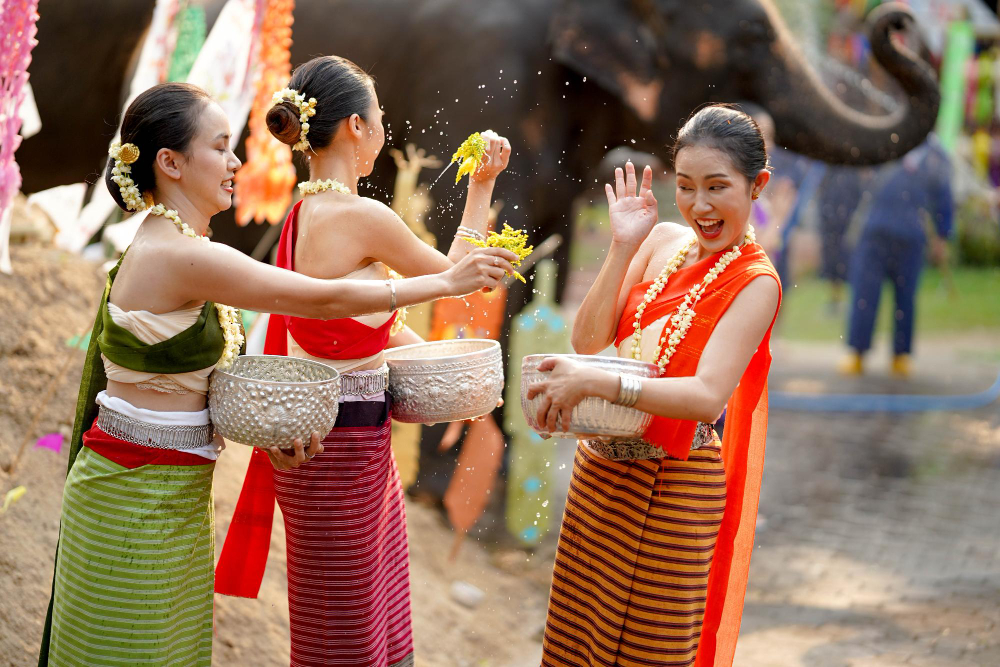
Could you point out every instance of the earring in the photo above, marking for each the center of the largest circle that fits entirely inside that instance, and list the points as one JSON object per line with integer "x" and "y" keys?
{"x": 754, "y": 196}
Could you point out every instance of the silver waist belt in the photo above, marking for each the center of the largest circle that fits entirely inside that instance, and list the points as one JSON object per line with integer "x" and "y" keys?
{"x": 364, "y": 383}
{"x": 161, "y": 436}
{"x": 632, "y": 450}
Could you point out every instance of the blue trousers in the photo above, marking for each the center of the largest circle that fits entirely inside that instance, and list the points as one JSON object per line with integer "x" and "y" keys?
{"x": 879, "y": 257}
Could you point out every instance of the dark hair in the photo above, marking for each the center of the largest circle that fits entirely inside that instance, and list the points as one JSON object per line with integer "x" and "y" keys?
{"x": 164, "y": 116}
{"x": 730, "y": 130}
{"x": 341, "y": 89}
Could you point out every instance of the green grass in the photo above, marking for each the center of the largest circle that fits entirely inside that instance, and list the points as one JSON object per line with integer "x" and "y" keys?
{"x": 975, "y": 307}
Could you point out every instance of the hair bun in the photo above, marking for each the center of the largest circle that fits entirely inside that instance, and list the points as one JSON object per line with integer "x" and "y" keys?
{"x": 283, "y": 122}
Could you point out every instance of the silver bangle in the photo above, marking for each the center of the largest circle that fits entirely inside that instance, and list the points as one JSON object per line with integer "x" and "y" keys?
{"x": 467, "y": 233}
{"x": 392, "y": 294}
{"x": 628, "y": 391}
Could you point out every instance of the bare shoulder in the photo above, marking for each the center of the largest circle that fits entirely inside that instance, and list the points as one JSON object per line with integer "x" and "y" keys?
{"x": 356, "y": 209}
{"x": 671, "y": 231}
{"x": 667, "y": 236}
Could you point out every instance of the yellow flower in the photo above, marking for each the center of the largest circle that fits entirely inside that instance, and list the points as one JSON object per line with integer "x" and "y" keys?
{"x": 511, "y": 239}
{"x": 471, "y": 154}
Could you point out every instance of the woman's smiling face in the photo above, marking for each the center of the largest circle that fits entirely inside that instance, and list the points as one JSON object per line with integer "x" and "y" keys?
{"x": 714, "y": 197}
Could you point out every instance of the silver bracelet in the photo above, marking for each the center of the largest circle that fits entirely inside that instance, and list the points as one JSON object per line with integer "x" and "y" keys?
{"x": 392, "y": 294}
{"x": 628, "y": 391}
{"x": 466, "y": 233}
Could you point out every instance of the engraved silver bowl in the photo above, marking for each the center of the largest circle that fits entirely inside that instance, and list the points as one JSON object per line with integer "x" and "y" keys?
{"x": 265, "y": 400}
{"x": 592, "y": 416}
{"x": 445, "y": 380}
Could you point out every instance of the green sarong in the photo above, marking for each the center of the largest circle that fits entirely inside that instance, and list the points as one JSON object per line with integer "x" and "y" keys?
{"x": 106, "y": 496}
{"x": 136, "y": 557}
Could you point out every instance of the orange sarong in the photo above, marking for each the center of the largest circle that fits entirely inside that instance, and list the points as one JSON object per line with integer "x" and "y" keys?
{"x": 623, "y": 591}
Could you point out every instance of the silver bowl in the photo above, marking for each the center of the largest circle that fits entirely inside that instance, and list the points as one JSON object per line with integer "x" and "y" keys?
{"x": 592, "y": 416}
{"x": 444, "y": 380}
{"x": 265, "y": 400}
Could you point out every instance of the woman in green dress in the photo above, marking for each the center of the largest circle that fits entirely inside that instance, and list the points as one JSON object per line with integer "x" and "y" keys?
{"x": 134, "y": 567}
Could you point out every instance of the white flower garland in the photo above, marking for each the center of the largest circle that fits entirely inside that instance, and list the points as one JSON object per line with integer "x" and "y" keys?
{"x": 314, "y": 187}
{"x": 229, "y": 317}
{"x": 680, "y": 321}
{"x": 306, "y": 111}
{"x": 121, "y": 174}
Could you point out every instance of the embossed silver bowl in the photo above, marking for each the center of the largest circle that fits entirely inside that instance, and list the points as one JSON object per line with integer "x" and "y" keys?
{"x": 592, "y": 416}
{"x": 445, "y": 380}
{"x": 265, "y": 400}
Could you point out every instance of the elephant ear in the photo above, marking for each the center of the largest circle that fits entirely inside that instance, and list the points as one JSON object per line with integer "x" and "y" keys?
{"x": 609, "y": 43}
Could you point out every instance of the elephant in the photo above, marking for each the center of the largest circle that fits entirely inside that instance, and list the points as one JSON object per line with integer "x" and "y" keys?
{"x": 565, "y": 80}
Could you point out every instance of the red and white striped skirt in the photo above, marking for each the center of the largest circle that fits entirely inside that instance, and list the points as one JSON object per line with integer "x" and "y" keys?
{"x": 348, "y": 559}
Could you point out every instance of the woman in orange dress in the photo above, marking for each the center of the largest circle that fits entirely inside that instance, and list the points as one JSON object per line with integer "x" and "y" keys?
{"x": 655, "y": 542}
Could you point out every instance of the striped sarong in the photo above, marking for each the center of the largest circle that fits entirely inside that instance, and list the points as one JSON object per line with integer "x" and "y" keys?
{"x": 134, "y": 568}
{"x": 348, "y": 559}
{"x": 631, "y": 572}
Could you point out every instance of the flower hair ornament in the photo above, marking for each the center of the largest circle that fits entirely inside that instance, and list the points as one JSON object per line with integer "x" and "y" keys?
{"x": 307, "y": 109}
{"x": 124, "y": 155}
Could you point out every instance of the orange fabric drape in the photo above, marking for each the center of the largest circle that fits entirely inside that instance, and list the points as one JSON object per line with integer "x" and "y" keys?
{"x": 742, "y": 443}
{"x": 264, "y": 183}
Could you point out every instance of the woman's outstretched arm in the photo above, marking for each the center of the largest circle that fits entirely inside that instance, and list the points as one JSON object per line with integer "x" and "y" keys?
{"x": 215, "y": 272}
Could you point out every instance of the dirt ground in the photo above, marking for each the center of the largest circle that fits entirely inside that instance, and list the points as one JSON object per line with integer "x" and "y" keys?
{"x": 878, "y": 540}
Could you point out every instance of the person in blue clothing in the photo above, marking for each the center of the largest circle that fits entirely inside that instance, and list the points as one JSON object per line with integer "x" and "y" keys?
{"x": 837, "y": 199}
{"x": 892, "y": 246}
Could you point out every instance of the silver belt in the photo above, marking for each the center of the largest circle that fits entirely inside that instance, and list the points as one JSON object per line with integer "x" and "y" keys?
{"x": 161, "y": 436}
{"x": 364, "y": 383}
{"x": 632, "y": 450}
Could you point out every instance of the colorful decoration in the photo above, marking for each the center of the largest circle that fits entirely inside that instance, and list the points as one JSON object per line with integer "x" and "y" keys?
{"x": 960, "y": 45}
{"x": 52, "y": 441}
{"x": 538, "y": 329}
{"x": 17, "y": 492}
{"x": 264, "y": 184}
{"x": 471, "y": 154}
{"x": 190, "y": 23}
{"x": 515, "y": 240}
{"x": 17, "y": 38}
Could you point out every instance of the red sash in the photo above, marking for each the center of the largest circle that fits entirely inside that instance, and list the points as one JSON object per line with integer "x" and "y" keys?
{"x": 342, "y": 338}
{"x": 743, "y": 439}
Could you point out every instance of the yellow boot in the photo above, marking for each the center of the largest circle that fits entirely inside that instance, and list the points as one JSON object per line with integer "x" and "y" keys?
{"x": 852, "y": 364}
{"x": 901, "y": 365}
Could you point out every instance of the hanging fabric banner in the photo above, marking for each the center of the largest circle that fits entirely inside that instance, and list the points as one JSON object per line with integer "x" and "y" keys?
{"x": 226, "y": 66}
{"x": 961, "y": 40}
{"x": 190, "y": 24}
{"x": 264, "y": 184}
{"x": 17, "y": 39}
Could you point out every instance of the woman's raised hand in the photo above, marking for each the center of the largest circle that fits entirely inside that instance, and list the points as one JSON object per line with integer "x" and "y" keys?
{"x": 495, "y": 160}
{"x": 633, "y": 214}
{"x": 481, "y": 268}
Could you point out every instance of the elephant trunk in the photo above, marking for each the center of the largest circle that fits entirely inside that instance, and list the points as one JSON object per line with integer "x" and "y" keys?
{"x": 811, "y": 120}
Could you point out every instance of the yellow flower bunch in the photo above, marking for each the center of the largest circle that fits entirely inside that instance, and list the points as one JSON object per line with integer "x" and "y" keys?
{"x": 515, "y": 240}
{"x": 471, "y": 154}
